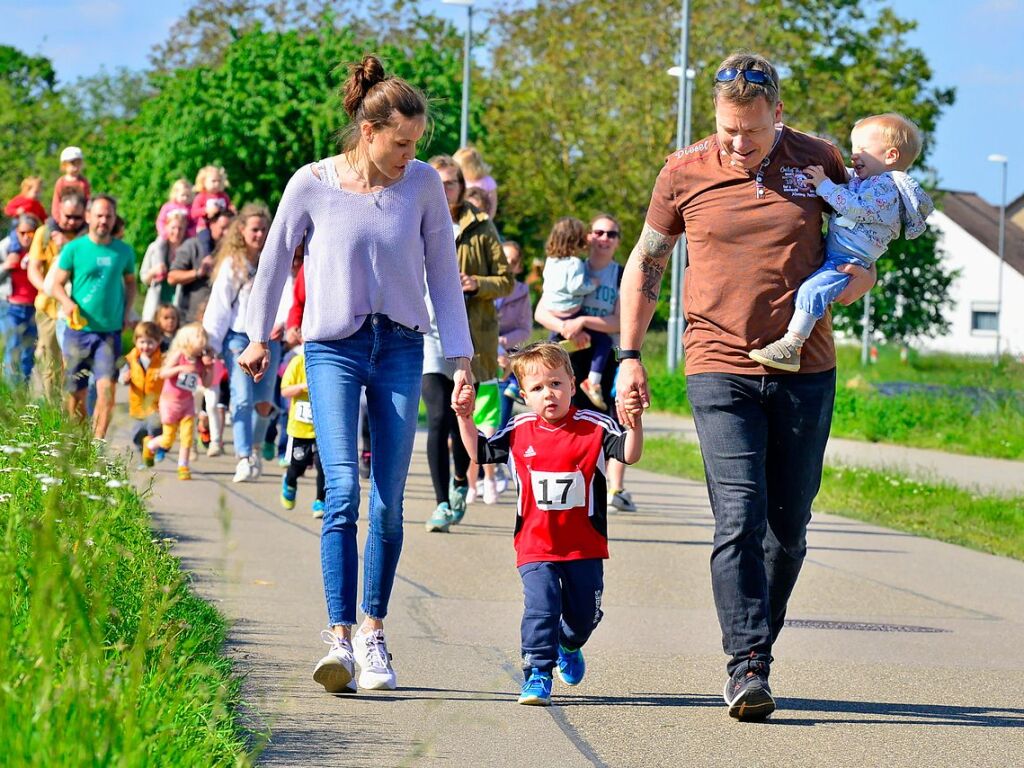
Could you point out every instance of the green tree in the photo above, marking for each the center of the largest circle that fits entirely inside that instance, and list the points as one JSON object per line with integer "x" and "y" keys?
{"x": 34, "y": 121}
{"x": 579, "y": 113}
{"x": 267, "y": 107}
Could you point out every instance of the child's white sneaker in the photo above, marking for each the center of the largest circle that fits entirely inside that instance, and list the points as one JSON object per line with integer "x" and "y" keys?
{"x": 490, "y": 491}
{"x": 371, "y": 652}
{"x": 336, "y": 671}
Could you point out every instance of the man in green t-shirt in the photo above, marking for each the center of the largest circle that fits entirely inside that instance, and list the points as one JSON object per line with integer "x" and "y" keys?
{"x": 102, "y": 271}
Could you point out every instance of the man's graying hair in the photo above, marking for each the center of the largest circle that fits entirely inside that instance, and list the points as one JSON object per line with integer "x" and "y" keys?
{"x": 739, "y": 91}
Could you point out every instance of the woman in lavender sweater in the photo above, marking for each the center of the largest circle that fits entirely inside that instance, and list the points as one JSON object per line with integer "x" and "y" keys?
{"x": 375, "y": 224}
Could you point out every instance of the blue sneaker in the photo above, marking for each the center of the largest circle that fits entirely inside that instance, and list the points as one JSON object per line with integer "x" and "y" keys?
{"x": 457, "y": 501}
{"x": 287, "y": 494}
{"x": 571, "y": 667}
{"x": 441, "y": 520}
{"x": 537, "y": 689}
{"x": 159, "y": 455}
{"x": 283, "y": 460}
{"x": 318, "y": 509}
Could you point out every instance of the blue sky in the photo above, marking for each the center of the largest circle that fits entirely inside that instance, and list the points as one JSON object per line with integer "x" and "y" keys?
{"x": 974, "y": 45}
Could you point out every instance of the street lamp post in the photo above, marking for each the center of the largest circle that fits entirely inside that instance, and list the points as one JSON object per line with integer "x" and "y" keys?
{"x": 675, "y": 316}
{"x": 1004, "y": 161}
{"x": 464, "y": 126}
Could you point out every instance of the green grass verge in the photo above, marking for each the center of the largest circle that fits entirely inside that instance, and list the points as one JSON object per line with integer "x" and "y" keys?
{"x": 958, "y": 422}
{"x": 938, "y": 511}
{"x": 108, "y": 658}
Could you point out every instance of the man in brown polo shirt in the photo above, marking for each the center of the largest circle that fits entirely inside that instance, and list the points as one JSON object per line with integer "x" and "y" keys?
{"x": 754, "y": 233}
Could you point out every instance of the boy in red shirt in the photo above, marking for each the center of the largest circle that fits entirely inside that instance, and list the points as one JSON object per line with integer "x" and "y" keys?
{"x": 558, "y": 456}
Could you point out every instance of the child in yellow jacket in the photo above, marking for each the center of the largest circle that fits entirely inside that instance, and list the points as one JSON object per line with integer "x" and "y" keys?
{"x": 142, "y": 375}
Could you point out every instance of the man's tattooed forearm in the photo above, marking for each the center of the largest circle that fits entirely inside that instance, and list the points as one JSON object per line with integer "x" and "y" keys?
{"x": 652, "y": 270}
{"x": 652, "y": 252}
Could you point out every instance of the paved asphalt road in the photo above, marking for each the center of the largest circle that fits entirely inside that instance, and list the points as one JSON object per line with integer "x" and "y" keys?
{"x": 901, "y": 652}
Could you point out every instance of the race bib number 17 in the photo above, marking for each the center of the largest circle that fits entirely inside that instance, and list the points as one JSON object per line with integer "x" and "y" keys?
{"x": 554, "y": 491}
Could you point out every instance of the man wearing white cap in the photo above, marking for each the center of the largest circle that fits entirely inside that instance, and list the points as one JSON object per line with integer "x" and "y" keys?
{"x": 71, "y": 162}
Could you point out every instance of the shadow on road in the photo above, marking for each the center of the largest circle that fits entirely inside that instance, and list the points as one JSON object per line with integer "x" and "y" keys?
{"x": 831, "y": 711}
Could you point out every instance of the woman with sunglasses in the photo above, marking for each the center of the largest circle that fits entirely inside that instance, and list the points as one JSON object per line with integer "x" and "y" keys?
{"x": 600, "y": 313}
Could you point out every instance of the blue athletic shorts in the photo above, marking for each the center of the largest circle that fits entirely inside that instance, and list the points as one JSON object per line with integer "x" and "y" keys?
{"x": 85, "y": 353}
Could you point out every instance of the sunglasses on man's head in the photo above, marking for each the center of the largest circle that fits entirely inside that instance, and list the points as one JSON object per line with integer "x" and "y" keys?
{"x": 755, "y": 76}
{"x": 609, "y": 233}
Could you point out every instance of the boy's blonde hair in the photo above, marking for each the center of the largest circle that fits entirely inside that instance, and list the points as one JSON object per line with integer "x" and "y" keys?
{"x": 472, "y": 163}
{"x": 899, "y": 132}
{"x": 190, "y": 336}
{"x": 31, "y": 181}
{"x": 205, "y": 172}
{"x": 568, "y": 237}
{"x": 540, "y": 354}
{"x": 146, "y": 330}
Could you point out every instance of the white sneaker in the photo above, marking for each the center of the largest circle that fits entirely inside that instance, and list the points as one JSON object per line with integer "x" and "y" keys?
{"x": 622, "y": 501}
{"x": 242, "y": 471}
{"x": 336, "y": 671}
{"x": 371, "y": 652}
{"x": 255, "y": 467}
{"x": 215, "y": 449}
{"x": 501, "y": 478}
{"x": 490, "y": 491}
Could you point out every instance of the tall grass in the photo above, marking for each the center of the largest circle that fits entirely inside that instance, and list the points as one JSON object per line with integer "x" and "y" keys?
{"x": 971, "y": 407}
{"x": 107, "y": 658}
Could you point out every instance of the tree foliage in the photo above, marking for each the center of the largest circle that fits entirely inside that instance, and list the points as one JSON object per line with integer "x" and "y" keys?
{"x": 34, "y": 121}
{"x": 269, "y": 105}
{"x": 579, "y": 111}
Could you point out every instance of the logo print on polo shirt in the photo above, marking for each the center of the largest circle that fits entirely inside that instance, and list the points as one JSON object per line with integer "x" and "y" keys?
{"x": 529, "y": 453}
{"x": 795, "y": 184}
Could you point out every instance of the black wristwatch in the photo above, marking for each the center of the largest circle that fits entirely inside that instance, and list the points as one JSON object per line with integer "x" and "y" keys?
{"x": 626, "y": 354}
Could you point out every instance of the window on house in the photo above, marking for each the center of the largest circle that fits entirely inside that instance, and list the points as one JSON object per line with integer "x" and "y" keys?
{"x": 984, "y": 317}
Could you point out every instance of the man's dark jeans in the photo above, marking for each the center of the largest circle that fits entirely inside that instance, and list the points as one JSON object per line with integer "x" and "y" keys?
{"x": 763, "y": 441}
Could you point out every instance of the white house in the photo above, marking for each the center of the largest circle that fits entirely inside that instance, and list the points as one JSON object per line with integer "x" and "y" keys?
{"x": 969, "y": 242}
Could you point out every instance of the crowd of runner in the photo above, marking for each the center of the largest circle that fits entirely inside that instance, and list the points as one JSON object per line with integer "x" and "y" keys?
{"x": 183, "y": 384}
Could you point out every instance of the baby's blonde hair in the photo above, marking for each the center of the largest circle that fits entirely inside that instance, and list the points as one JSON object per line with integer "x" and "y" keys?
{"x": 205, "y": 172}
{"x": 189, "y": 338}
{"x": 541, "y": 354}
{"x": 899, "y": 132}
{"x": 472, "y": 163}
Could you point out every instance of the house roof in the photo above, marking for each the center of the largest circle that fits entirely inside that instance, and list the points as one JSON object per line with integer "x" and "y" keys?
{"x": 981, "y": 221}
{"x": 1014, "y": 206}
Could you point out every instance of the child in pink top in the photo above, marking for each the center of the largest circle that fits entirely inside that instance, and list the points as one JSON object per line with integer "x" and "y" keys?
{"x": 187, "y": 366}
{"x": 210, "y": 195}
{"x": 180, "y": 199}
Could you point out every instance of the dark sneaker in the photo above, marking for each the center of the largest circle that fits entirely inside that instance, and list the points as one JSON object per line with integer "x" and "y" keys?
{"x": 748, "y": 695}
{"x": 779, "y": 354}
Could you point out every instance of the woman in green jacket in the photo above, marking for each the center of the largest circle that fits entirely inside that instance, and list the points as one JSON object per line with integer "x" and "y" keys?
{"x": 485, "y": 277}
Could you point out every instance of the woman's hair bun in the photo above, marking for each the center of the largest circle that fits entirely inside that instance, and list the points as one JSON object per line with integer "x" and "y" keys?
{"x": 362, "y": 77}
